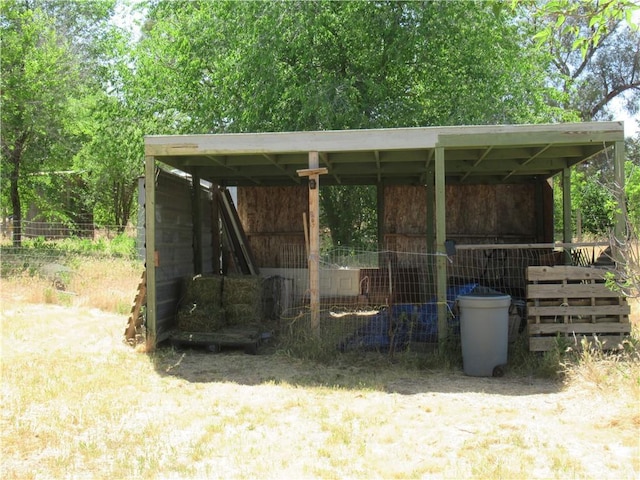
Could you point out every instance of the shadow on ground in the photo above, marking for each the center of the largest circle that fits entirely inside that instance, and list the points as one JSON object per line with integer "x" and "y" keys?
{"x": 366, "y": 371}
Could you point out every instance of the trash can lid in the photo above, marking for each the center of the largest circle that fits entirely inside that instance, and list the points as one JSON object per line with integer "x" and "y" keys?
{"x": 484, "y": 298}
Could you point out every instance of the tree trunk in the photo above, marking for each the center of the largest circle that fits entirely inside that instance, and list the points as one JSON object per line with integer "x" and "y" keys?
{"x": 15, "y": 205}
{"x": 15, "y": 157}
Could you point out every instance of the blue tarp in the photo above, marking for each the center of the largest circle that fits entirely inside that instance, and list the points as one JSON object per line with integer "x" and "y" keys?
{"x": 405, "y": 322}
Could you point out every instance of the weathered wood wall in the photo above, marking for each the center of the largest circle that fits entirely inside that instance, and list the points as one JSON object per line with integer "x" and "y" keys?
{"x": 173, "y": 232}
{"x": 474, "y": 214}
{"x": 272, "y": 218}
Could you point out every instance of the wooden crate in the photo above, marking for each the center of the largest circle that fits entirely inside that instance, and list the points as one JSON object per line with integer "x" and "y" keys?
{"x": 576, "y": 303}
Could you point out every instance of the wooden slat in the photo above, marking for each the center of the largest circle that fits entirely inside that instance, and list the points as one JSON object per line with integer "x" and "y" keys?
{"x": 561, "y": 306}
{"x": 566, "y": 272}
{"x": 571, "y": 290}
{"x": 578, "y": 328}
{"x": 579, "y": 311}
{"x": 141, "y": 297}
{"x": 542, "y": 344}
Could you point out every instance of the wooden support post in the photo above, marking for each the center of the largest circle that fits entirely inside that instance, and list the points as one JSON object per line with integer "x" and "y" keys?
{"x": 539, "y": 212}
{"x": 441, "y": 235}
{"x": 431, "y": 233}
{"x": 567, "y": 236}
{"x": 196, "y": 213}
{"x": 430, "y": 210}
{"x": 151, "y": 259}
{"x": 380, "y": 211}
{"x": 313, "y": 174}
{"x": 620, "y": 226}
{"x": 215, "y": 230}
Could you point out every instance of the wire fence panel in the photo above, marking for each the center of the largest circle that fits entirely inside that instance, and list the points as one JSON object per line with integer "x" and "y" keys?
{"x": 47, "y": 249}
{"x": 387, "y": 300}
{"x": 369, "y": 300}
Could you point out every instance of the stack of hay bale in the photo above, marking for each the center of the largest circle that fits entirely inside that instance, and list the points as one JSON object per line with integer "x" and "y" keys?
{"x": 211, "y": 303}
{"x": 201, "y": 306}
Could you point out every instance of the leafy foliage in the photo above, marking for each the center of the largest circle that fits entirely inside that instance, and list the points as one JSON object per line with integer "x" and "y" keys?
{"x": 44, "y": 69}
{"x": 79, "y": 95}
{"x": 595, "y": 48}
{"x": 282, "y": 66}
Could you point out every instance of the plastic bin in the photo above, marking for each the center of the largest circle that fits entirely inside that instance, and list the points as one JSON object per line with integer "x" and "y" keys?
{"x": 484, "y": 332}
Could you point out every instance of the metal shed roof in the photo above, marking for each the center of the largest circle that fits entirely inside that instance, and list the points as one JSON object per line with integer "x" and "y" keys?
{"x": 473, "y": 154}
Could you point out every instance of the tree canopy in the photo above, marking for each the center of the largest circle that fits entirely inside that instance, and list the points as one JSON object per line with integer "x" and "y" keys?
{"x": 79, "y": 94}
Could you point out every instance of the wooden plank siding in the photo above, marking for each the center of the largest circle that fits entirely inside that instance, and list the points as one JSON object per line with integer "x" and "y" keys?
{"x": 173, "y": 234}
{"x": 272, "y": 218}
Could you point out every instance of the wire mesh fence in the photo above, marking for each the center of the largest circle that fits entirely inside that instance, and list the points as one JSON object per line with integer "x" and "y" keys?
{"x": 387, "y": 300}
{"x": 369, "y": 300}
{"x": 47, "y": 248}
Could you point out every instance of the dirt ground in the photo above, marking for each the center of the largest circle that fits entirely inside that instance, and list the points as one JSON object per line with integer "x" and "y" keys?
{"x": 447, "y": 416}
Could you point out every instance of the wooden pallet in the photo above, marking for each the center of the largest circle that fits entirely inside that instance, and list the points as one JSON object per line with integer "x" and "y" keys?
{"x": 135, "y": 319}
{"x": 246, "y": 338}
{"x": 575, "y": 303}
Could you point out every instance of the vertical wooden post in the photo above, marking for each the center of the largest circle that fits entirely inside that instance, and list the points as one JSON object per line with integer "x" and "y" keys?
{"x": 196, "y": 214}
{"x": 313, "y": 173}
{"x": 431, "y": 233}
{"x": 215, "y": 229}
{"x": 579, "y": 225}
{"x": 539, "y": 212}
{"x": 314, "y": 244}
{"x": 151, "y": 259}
{"x": 380, "y": 211}
{"x": 567, "y": 237}
{"x": 441, "y": 259}
{"x": 620, "y": 226}
{"x": 430, "y": 209}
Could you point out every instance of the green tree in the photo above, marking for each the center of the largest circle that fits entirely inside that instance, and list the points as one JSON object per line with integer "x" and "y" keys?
{"x": 595, "y": 48}
{"x": 111, "y": 159}
{"x": 36, "y": 72}
{"x": 632, "y": 181}
{"x": 44, "y": 70}
{"x": 275, "y": 66}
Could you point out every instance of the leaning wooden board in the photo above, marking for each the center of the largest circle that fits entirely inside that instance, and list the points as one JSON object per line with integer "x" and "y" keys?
{"x": 246, "y": 338}
{"x": 576, "y": 303}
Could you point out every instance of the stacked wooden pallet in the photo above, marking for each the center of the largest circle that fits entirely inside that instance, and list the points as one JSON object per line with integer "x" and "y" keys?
{"x": 575, "y": 303}
{"x": 136, "y": 320}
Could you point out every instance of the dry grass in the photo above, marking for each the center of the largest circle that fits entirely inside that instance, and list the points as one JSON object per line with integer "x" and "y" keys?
{"x": 105, "y": 284}
{"x": 77, "y": 402}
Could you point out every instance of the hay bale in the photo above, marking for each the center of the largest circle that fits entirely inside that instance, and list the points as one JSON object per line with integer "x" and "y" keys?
{"x": 243, "y": 314}
{"x": 205, "y": 319}
{"x": 203, "y": 291}
{"x": 242, "y": 299}
{"x": 200, "y": 308}
{"x": 242, "y": 289}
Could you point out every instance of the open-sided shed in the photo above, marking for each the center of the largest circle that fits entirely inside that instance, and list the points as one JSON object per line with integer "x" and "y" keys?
{"x": 495, "y": 167}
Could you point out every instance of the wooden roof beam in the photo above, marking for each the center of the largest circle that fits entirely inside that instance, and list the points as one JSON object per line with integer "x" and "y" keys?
{"x": 325, "y": 158}
{"x": 528, "y": 160}
{"x": 476, "y": 163}
{"x": 274, "y": 160}
{"x": 233, "y": 169}
{"x": 537, "y": 154}
{"x": 430, "y": 155}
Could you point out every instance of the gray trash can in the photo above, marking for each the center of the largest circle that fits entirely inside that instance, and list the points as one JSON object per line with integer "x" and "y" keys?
{"x": 484, "y": 332}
